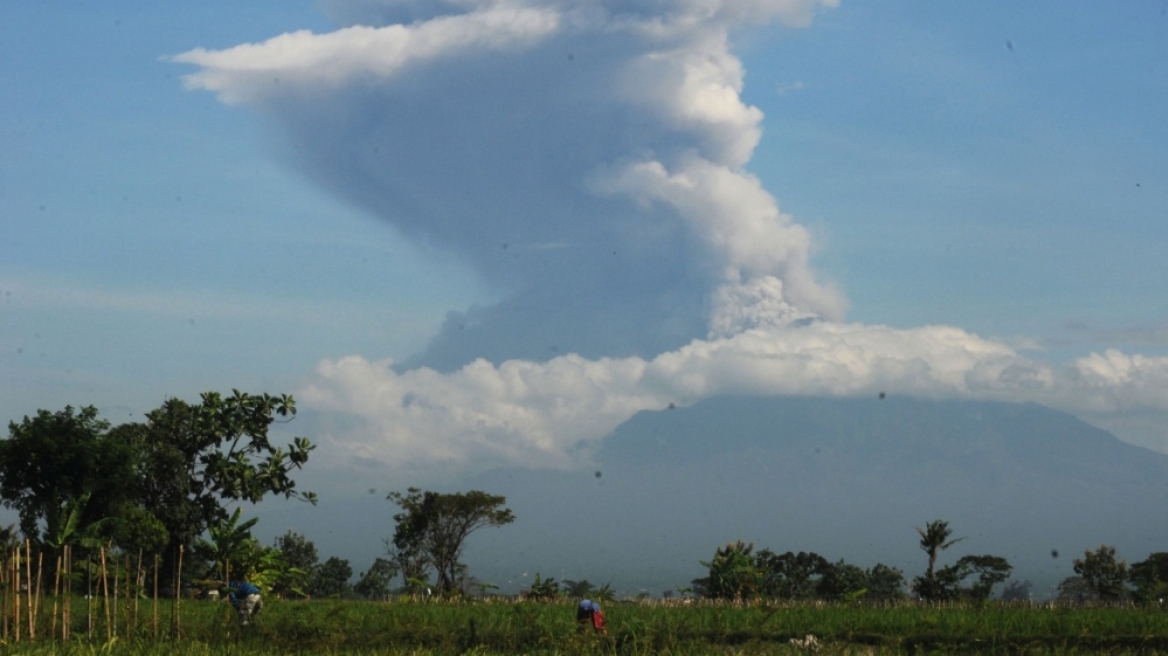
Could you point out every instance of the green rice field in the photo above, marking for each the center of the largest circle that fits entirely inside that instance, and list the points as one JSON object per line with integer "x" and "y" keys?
{"x": 336, "y": 627}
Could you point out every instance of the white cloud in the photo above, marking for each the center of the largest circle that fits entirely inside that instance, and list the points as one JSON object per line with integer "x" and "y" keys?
{"x": 517, "y": 412}
{"x": 317, "y": 62}
{"x": 541, "y": 414}
{"x": 1112, "y": 381}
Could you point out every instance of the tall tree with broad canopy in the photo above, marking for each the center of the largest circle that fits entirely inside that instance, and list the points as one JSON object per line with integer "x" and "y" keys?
{"x": 990, "y": 571}
{"x": 1150, "y": 577}
{"x": 842, "y": 581}
{"x": 159, "y": 482}
{"x": 62, "y": 466}
{"x": 196, "y": 458}
{"x": 1102, "y": 573}
{"x": 790, "y": 575}
{"x": 885, "y": 583}
{"x": 438, "y": 525}
{"x": 331, "y": 579}
{"x": 300, "y": 554}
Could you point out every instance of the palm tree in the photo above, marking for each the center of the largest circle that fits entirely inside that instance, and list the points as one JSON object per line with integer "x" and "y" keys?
{"x": 935, "y": 539}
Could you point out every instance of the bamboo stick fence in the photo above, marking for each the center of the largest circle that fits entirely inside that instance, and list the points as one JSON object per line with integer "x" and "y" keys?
{"x": 113, "y": 589}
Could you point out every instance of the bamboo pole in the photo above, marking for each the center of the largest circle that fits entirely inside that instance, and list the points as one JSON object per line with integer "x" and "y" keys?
{"x": 56, "y": 596}
{"x": 105, "y": 595}
{"x": 67, "y": 615}
{"x": 178, "y": 596}
{"x": 5, "y": 576}
{"x": 126, "y": 612}
{"x": 89, "y": 595}
{"x": 115, "y": 596}
{"x": 28, "y": 587}
{"x": 16, "y": 594}
{"x": 155, "y": 623}
{"x": 36, "y": 606}
{"x": 139, "y": 585}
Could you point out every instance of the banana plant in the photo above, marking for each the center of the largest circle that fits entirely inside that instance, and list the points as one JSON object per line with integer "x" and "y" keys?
{"x": 66, "y": 529}
{"x": 231, "y": 542}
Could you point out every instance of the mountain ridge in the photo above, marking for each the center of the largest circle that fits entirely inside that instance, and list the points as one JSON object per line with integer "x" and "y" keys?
{"x": 847, "y": 477}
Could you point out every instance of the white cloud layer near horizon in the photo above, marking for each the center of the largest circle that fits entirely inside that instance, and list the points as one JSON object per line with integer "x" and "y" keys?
{"x": 554, "y": 413}
{"x": 493, "y": 128}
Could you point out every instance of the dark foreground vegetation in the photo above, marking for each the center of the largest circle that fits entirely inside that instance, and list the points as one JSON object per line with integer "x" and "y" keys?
{"x": 407, "y": 626}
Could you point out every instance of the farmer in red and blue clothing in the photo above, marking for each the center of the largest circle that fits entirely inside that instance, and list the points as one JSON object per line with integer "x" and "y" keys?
{"x": 588, "y": 612}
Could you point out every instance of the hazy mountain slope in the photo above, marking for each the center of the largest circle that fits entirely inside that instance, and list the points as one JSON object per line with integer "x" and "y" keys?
{"x": 848, "y": 478}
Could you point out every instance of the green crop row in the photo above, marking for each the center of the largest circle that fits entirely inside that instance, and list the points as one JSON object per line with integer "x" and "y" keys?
{"x": 344, "y": 628}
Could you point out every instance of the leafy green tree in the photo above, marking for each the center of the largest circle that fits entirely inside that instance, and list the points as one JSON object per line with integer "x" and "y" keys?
{"x": 196, "y": 458}
{"x": 301, "y": 557}
{"x": 943, "y": 585}
{"x": 50, "y": 461}
{"x": 376, "y": 581}
{"x": 137, "y": 530}
{"x": 841, "y": 581}
{"x": 990, "y": 571}
{"x": 1150, "y": 577}
{"x": 331, "y": 579}
{"x": 732, "y": 573}
{"x": 1103, "y": 573}
{"x": 298, "y": 550}
{"x": 437, "y": 525}
{"x": 790, "y": 575}
{"x": 885, "y": 583}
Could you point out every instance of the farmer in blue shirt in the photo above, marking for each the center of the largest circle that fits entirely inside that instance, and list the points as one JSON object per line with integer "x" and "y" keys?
{"x": 245, "y": 597}
{"x": 588, "y": 613}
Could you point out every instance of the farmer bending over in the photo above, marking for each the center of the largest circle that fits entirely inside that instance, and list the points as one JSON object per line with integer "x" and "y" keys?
{"x": 588, "y": 612}
{"x": 246, "y": 599}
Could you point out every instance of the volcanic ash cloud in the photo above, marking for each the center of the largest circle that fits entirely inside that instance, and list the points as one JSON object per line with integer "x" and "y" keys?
{"x": 587, "y": 158}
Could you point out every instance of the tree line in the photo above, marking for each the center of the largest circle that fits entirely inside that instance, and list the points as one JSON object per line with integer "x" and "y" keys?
{"x": 163, "y": 486}
{"x": 737, "y": 572}
{"x": 153, "y": 486}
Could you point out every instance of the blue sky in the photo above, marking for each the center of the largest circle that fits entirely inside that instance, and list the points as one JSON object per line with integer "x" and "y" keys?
{"x": 978, "y": 165}
{"x": 154, "y": 244}
{"x": 970, "y": 203}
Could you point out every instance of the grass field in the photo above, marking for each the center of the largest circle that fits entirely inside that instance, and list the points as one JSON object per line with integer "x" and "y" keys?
{"x": 344, "y": 628}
